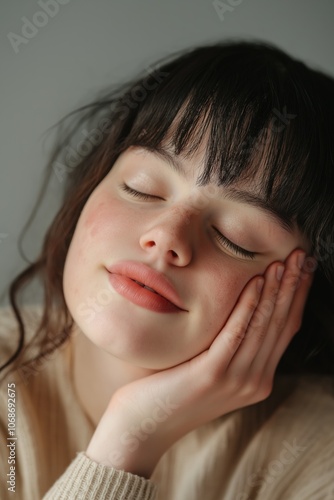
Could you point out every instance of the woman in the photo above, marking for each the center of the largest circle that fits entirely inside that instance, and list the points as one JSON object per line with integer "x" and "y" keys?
{"x": 188, "y": 283}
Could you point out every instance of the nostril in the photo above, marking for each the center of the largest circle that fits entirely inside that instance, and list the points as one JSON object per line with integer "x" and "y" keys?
{"x": 150, "y": 244}
{"x": 174, "y": 253}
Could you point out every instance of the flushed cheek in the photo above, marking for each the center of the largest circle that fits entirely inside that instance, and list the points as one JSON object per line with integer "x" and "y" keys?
{"x": 107, "y": 218}
{"x": 88, "y": 243}
{"x": 97, "y": 218}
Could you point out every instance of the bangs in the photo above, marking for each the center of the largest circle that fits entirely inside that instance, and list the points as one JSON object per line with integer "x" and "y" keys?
{"x": 260, "y": 116}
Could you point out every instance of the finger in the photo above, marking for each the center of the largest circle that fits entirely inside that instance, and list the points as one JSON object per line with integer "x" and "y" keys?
{"x": 233, "y": 333}
{"x": 280, "y": 311}
{"x": 293, "y": 322}
{"x": 291, "y": 281}
{"x": 259, "y": 324}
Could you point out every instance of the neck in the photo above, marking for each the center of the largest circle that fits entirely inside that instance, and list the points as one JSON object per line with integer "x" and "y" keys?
{"x": 97, "y": 375}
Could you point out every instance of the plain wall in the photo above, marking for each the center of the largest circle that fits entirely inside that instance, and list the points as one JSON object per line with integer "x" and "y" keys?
{"x": 79, "y": 47}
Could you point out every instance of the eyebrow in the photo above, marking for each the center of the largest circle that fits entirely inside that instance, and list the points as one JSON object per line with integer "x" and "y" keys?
{"x": 168, "y": 157}
{"x": 230, "y": 193}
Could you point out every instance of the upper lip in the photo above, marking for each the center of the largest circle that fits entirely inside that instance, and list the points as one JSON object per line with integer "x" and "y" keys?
{"x": 149, "y": 277}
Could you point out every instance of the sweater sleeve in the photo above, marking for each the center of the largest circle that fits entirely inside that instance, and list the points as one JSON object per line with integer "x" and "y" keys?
{"x": 85, "y": 478}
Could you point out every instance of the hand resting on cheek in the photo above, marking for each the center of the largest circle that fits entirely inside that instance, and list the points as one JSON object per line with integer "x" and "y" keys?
{"x": 236, "y": 370}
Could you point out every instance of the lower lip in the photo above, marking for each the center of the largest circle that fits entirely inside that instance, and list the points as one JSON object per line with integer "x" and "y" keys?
{"x": 141, "y": 296}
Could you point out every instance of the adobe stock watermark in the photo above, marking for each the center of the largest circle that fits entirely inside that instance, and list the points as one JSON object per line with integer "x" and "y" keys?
{"x": 95, "y": 136}
{"x": 263, "y": 477}
{"x": 279, "y": 122}
{"x": 130, "y": 440}
{"x": 94, "y": 305}
{"x": 287, "y": 456}
{"x": 30, "y": 27}
{"x": 228, "y": 6}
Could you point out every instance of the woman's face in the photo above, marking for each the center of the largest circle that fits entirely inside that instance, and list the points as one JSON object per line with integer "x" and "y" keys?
{"x": 175, "y": 231}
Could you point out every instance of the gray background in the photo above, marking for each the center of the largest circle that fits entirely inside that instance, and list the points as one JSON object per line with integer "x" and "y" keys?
{"x": 89, "y": 44}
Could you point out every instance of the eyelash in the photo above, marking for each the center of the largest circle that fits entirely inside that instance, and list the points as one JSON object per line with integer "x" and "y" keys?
{"x": 232, "y": 246}
{"x": 138, "y": 194}
{"x": 220, "y": 237}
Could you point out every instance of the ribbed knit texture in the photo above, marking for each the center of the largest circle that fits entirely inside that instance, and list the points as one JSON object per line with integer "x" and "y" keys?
{"x": 279, "y": 449}
{"x": 93, "y": 480}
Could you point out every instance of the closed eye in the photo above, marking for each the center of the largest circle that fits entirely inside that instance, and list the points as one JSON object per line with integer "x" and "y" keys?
{"x": 139, "y": 194}
{"x": 220, "y": 237}
{"x": 232, "y": 246}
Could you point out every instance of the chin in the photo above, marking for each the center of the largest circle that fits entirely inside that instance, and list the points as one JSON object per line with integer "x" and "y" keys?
{"x": 132, "y": 342}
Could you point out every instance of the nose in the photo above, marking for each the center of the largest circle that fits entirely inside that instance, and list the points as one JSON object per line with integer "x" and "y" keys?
{"x": 170, "y": 238}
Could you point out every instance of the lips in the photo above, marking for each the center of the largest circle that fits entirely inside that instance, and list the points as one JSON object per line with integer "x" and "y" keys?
{"x": 151, "y": 281}
{"x": 145, "y": 286}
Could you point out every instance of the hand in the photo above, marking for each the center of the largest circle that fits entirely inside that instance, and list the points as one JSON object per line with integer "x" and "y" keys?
{"x": 144, "y": 418}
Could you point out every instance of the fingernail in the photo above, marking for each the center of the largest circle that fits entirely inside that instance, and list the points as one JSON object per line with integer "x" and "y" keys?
{"x": 279, "y": 272}
{"x": 300, "y": 260}
{"x": 259, "y": 284}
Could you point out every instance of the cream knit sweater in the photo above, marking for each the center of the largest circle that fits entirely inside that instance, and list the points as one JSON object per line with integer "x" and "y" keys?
{"x": 281, "y": 448}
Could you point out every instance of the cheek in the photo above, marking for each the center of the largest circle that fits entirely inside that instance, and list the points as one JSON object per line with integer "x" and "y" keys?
{"x": 226, "y": 285}
{"x": 97, "y": 219}
{"x": 86, "y": 243}
{"x": 220, "y": 288}
{"x": 106, "y": 218}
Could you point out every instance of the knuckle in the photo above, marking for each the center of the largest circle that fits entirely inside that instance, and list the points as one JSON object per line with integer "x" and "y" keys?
{"x": 251, "y": 305}
{"x": 257, "y": 319}
{"x": 259, "y": 335}
{"x": 273, "y": 291}
{"x": 237, "y": 334}
{"x": 235, "y": 337}
{"x": 252, "y": 386}
{"x": 281, "y": 298}
{"x": 266, "y": 308}
{"x": 234, "y": 341}
{"x": 237, "y": 382}
{"x": 279, "y": 323}
{"x": 260, "y": 389}
{"x": 266, "y": 389}
{"x": 250, "y": 392}
{"x": 293, "y": 280}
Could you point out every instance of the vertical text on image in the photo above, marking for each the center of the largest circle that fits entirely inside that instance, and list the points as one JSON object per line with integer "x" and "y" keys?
{"x": 11, "y": 439}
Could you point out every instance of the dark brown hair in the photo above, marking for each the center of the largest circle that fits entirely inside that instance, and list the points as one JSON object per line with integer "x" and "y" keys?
{"x": 259, "y": 107}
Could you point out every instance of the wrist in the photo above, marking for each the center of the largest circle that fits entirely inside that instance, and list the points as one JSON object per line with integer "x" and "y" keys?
{"x": 126, "y": 447}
